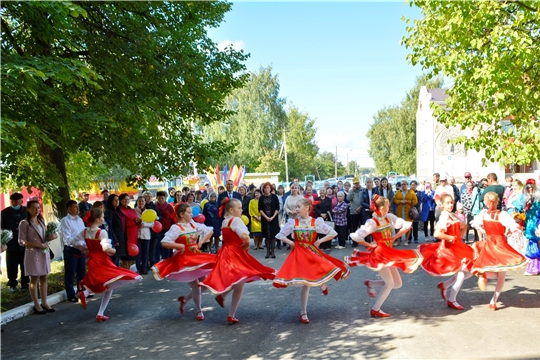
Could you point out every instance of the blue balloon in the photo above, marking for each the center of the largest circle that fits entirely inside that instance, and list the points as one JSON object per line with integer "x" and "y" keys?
{"x": 196, "y": 210}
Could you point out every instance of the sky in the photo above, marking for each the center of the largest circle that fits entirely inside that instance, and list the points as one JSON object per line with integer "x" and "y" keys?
{"x": 339, "y": 62}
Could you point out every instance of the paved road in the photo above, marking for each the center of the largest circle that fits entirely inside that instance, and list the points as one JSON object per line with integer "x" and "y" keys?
{"x": 145, "y": 323}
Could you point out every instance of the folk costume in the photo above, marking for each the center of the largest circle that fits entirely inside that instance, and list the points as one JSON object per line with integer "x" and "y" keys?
{"x": 383, "y": 257}
{"x": 449, "y": 258}
{"x": 494, "y": 256}
{"x": 235, "y": 265}
{"x": 102, "y": 275}
{"x": 192, "y": 264}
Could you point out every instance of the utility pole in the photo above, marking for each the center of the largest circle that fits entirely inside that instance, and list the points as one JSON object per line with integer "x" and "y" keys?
{"x": 285, "y": 149}
{"x": 335, "y": 172}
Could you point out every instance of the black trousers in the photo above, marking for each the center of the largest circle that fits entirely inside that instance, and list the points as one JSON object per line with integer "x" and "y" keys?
{"x": 14, "y": 260}
{"x": 431, "y": 221}
{"x": 74, "y": 266}
{"x": 356, "y": 218}
{"x": 342, "y": 234}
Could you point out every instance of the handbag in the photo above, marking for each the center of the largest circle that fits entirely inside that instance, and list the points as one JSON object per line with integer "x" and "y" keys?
{"x": 413, "y": 213}
{"x": 330, "y": 222}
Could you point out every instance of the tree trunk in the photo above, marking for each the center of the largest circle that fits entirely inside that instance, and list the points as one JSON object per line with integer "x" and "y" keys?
{"x": 60, "y": 195}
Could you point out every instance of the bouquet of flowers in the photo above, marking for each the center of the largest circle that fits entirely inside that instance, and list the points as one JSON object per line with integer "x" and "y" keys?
{"x": 52, "y": 228}
{"x": 519, "y": 217}
{"x": 7, "y": 235}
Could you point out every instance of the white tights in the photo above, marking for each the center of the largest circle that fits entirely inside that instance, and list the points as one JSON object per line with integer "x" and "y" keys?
{"x": 455, "y": 283}
{"x": 390, "y": 280}
{"x": 104, "y": 302}
{"x": 195, "y": 294}
{"x": 501, "y": 277}
{"x": 237, "y": 291}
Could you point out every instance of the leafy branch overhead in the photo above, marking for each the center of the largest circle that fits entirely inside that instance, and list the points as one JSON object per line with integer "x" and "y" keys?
{"x": 490, "y": 49}
{"x": 123, "y": 82}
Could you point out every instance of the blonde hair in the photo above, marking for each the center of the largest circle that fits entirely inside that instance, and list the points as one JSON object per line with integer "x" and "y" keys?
{"x": 305, "y": 202}
{"x": 491, "y": 196}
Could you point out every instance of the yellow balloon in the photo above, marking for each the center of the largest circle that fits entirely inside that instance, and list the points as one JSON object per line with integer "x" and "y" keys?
{"x": 203, "y": 203}
{"x": 245, "y": 219}
{"x": 149, "y": 215}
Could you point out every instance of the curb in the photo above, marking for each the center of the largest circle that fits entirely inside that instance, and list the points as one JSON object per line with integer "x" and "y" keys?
{"x": 28, "y": 309}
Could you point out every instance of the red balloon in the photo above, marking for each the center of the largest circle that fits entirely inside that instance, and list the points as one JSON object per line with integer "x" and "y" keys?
{"x": 199, "y": 218}
{"x": 133, "y": 250}
{"x": 157, "y": 226}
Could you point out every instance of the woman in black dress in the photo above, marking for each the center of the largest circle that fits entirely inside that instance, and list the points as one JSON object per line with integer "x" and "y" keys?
{"x": 269, "y": 209}
{"x": 116, "y": 227}
{"x": 322, "y": 209}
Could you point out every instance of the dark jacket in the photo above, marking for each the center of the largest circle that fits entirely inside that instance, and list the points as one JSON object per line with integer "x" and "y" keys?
{"x": 323, "y": 207}
{"x": 10, "y": 219}
{"x": 211, "y": 217}
{"x": 367, "y": 213}
{"x": 116, "y": 231}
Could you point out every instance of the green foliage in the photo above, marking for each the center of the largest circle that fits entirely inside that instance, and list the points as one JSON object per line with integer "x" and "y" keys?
{"x": 256, "y": 123}
{"x": 324, "y": 166}
{"x": 124, "y": 82}
{"x": 490, "y": 49}
{"x": 393, "y": 134}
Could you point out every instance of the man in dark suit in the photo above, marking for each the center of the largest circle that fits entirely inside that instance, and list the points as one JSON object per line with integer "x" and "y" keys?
{"x": 229, "y": 193}
{"x": 11, "y": 217}
{"x": 367, "y": 195}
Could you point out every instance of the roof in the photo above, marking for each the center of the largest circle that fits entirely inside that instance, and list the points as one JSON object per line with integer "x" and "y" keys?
{"x": 438, "y": 95}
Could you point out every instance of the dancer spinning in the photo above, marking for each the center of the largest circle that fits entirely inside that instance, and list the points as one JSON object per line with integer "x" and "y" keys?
{"x": 494, "y": 255}
{"x": 451, "y": 256}
{"x": 234, "y": 266}
{"x": 306, "y": 265}
{"x": 381, "y": 256}
{"x": 102, "y": 275}
{"x": 188, "y": 264}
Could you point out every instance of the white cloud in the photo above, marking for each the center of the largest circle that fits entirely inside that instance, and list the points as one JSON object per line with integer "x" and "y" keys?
{"x": 237, "y": 44}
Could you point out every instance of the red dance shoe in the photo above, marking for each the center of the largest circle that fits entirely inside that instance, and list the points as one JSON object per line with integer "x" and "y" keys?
{"x": 379, "y": 313}
{"x": 101, "y": 318}
{"x": 82, "y": 299}
{"x": 220, "y": 300}
{"x": 443, "y": 290}
{"x": 200, "y": 316}
{"x": 371, "y": 291}
{"x": 454, "y": 305}
{"x": 182, "y": 301}
{"x": 325, "y": 290}
{"x": 304, "y": 319}
{"x": 482, "y": 282}
{"x": 232, "y": 320}
{"x": 493, "y": 307}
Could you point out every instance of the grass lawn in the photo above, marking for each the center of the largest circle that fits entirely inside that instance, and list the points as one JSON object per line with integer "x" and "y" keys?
{"x": 11, "y": 300}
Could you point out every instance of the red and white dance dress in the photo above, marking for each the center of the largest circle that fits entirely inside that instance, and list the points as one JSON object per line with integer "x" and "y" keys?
{"x": 234, "y": 265}
{"x": 102, "y": 274}
{"x": 494, "y": 254}
{"x": 307, "y": 265}
{"x": 192, "y": 264}
{"x": 446, "y": 258}
{"x": 384, "y": 255}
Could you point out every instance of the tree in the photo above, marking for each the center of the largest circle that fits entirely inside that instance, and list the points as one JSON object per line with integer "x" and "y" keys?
{"x": 125, "y": 82}
{"x": 256, "y": 123}
{"x": 393, "y": 134}
{"x": 324, "y": 166}
{"x": 490, "y": 49}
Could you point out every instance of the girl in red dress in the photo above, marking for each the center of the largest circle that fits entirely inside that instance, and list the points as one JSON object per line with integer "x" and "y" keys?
{"x": 451, "y": 256}
{"x": 188, "y": 263}
{"x": 381, "y": 256}
{"x": 306, "y": 265}
{"x": 234, "y": 266}
{"x": 102, "y": 275}
{"x": 494, "y": 255}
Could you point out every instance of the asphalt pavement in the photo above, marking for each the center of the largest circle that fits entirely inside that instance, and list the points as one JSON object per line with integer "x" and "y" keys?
{"x": 145, "y": 323}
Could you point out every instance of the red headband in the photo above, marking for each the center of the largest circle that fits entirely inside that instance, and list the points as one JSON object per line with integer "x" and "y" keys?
{"x": 530, "y": 181}
{"x": 374, "y": 206}
{"x": 222, "y": 207}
